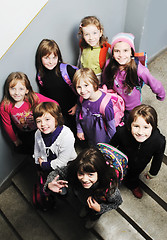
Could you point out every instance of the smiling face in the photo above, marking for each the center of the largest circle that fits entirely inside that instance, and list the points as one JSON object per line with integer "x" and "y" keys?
{"x": 46, "y": 123}
{"x": 18, "y": 91}
{"x": 87, "y": 179}
{"x": 85, "y": 89}
{"x": 50, "y": 61}
{"x": 122, "y": 53}
{"x": 91, "y": 35}
{"x": 140, "y": 129}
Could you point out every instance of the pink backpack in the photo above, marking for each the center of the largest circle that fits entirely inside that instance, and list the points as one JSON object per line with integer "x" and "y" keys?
{"x": 118, "y": 104}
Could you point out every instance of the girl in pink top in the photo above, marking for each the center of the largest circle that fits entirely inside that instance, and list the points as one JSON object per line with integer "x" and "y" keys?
{"x": 16, "y": 110}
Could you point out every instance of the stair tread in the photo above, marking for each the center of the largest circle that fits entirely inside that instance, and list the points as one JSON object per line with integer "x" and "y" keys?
{"x": 5, "y": 231}
{"x": 23, "y": 217}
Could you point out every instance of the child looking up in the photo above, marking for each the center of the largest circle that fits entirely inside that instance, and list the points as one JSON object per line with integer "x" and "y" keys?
{"x": 51, "y": 82}
{"x": 93, "y": 45}
{"x": 125, "y": 76}
{"x": 16, "y": 109}
{"x": 141, "y": 141}
{"x": 54, "y": 142}
{"x": 91, "y": 125}
{"x": 92, "y": 180}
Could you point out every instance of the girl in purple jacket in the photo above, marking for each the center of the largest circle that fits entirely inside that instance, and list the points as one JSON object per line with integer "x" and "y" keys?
{"x": 123, "y": 74}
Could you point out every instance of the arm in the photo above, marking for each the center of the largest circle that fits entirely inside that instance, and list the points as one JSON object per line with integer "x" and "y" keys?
{"x": 112, "y": 202}
{"x": 155, "y": 85}
{"x": 110, "y": 122}
{"x": 80, "y": 133}
{"x": 7, "y": 124}
{"x": 44, "y": 99}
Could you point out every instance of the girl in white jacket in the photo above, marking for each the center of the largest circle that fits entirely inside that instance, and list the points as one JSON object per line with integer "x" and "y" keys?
{"x": 54, "y": 142}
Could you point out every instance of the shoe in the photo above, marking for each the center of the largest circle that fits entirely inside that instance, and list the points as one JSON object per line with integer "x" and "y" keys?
{"x": 84, "y": 212}
{"x": 137, "y": 192}
{"x": 90, "y": 224}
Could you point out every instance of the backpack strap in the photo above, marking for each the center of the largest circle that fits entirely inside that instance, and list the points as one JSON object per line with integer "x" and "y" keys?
{"x": 64, "y": 73}
{"x": 104, "y": 103}
{"x": 103, "y": 54}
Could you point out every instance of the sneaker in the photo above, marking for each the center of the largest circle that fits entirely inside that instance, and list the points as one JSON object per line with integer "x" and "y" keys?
{"x": 137, "y": 192}
{"x": 90, "y": 224}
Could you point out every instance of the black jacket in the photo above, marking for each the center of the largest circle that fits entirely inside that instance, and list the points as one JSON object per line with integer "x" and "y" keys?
{"x": 140, "y": 154}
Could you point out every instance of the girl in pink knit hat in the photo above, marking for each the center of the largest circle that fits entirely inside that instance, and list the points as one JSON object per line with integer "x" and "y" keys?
{"x": 126, "y": 75}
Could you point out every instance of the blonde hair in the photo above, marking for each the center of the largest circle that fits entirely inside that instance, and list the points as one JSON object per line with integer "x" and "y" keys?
{"x": 49, "y": 107}
{"x": 88, "y": 75}
{"x": 46, "y": 47}
{"x": 11, "y": 81}
{"x": 94, "y": 21}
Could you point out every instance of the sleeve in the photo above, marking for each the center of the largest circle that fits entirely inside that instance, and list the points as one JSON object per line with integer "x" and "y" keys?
{"x": 66, "y": 150}
{"x": 157, "y": 158}
{"x": 155, "y": 85}
{"x": 7, "y": 124}
{"x": 42, "y": 98}
{"x": 53, "y": 174}
{"x": 115, "y": 141}
{"x": 113, "y": 202}
{"x": 78, "y": 114}
{"x": 110, "y": 122}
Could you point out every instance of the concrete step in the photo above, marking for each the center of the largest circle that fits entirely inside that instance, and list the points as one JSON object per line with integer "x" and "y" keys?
{"x": 23, "y": 218}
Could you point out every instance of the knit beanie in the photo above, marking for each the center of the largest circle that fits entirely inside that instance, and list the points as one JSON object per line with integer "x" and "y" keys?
{"x": 123, "y": 37}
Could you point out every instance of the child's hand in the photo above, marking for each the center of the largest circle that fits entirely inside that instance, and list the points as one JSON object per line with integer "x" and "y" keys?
{"x": 40, "y": 160}
{"x": 72, "y": 111}
{"x": 81, "y": 136}
{"x": 57, "y": 185}
{"x": 93, "y": 204}
{"x": 18, "y": 142}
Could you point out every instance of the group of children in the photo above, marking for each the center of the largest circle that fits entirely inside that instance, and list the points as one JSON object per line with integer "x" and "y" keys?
{"x": 68, "y": 107}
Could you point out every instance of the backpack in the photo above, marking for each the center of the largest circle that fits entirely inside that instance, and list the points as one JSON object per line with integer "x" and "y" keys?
{"x": 103, "y": 53}
{"x": 41, "y": 199}
{"x": 64, "y": 73}
{"x": 115, "y": 158}
{"x": 118, "y": 104}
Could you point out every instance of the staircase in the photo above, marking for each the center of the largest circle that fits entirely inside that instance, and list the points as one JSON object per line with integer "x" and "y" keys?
{"x": 136, "y": 219}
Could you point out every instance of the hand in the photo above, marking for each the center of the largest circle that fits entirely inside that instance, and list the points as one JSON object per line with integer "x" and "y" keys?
{"x": 72, "y": 110}
{"x": 57, "y": 185}
{"x": 18, "y": 142}
{"x": 81, "y": 136}
{"x": 40, "y": 160}
{"x": 93, "y": 204}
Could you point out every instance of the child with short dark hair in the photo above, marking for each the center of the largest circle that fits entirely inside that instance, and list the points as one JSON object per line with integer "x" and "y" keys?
{"x": 141, "y": 141}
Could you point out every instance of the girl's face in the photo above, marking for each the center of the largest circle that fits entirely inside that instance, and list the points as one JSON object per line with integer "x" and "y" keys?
{"x": 92, "y": 35}
{"x": 85, "y": 89}
{"x": 18, "y": 92}
{"x": 141, "y": 130}
{"x": 46, "y": 123}
{"x": 122, "y": 53}
{"x": 50, "y": 61}
{"x": 87, "y": 179}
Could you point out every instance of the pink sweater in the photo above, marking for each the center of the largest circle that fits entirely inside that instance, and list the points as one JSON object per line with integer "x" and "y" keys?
{"x": 22, "y": 117}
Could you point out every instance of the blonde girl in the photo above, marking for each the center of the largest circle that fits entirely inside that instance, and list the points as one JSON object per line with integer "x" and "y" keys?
{"x": 90, "y": 123}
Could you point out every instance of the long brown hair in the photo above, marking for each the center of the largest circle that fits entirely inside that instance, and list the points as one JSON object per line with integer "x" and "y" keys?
{"x": 11, "y": 81}
{"x": 46, "y": 47}
{"x": 131, "y": 80}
